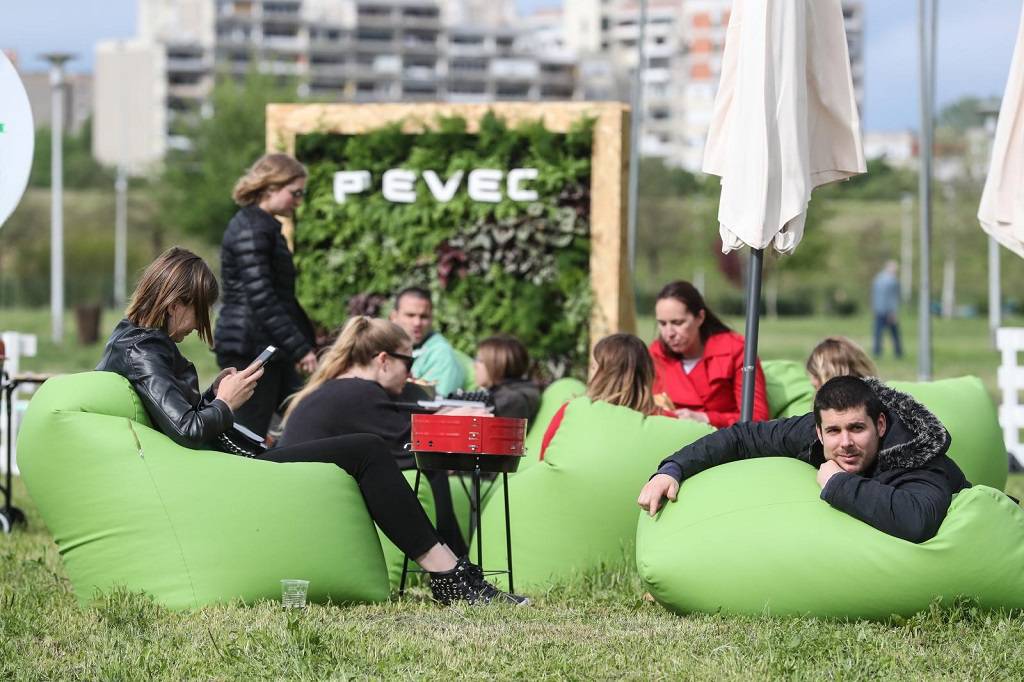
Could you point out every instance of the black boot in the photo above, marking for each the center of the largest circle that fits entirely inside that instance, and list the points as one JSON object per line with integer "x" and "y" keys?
{"x": 466, "y": 583}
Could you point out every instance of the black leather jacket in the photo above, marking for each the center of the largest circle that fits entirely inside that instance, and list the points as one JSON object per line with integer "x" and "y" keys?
{"x": 258, "y": 304}
{"x": 168, "y": 385}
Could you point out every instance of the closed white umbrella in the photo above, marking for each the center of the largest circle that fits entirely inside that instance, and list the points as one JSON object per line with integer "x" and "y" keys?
{"x": 785, "y": 122}
{"x": 1001, "y": 212}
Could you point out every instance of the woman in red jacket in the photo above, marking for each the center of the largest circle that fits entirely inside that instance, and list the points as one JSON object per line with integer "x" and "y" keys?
{"x": 698, "y": 361}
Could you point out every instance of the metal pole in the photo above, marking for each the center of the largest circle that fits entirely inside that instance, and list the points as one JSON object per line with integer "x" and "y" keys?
{"x": 750, "y": 335}
{"x": 57, "y": 195}
{"x": 924, "y": 364}
{"x": 636, "y": 121}
{"x": 121, "y": 238}
{"x": 907, "y": 248}
{"x": 995, "y": 304}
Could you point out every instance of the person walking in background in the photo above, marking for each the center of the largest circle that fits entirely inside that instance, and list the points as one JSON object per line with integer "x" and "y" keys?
{"x": 885, "y": 303}
{"x": 258, "y": 281}
{"x": 698, "y": 360}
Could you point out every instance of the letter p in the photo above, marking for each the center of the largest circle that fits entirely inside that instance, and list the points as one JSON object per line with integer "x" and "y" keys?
{"x": 350, "y": 182}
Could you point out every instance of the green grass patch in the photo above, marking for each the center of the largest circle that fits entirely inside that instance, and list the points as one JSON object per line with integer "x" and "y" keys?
{"x": 595, "y": 626}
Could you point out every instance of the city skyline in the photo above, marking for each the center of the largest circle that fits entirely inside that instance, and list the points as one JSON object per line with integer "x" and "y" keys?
{"x": 975, "y": 44}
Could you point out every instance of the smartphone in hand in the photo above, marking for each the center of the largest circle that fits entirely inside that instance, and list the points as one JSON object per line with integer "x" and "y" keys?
{"x": 264, "y": 357}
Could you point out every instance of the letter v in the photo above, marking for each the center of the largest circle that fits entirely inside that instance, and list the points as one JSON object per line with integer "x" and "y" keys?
{"x": 442, "y": 191}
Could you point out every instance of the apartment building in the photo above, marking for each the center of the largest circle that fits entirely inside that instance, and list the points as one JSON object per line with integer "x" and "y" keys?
{"x": 340, "y": 50}
{"x": 684, "y": 41}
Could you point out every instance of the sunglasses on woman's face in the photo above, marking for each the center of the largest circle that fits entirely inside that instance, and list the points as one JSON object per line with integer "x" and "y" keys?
{"x": 407, "y": 360}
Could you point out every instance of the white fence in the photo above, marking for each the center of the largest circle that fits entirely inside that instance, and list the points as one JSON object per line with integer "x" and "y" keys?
{"x": 17, "y": 346}
{"x": 1010, "y": 342}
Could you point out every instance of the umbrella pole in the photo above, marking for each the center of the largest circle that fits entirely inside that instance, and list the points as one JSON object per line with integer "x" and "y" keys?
{"x": 750, "y": 335}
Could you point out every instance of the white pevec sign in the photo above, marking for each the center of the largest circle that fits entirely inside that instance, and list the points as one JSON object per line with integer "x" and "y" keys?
{"x": 17, "y": 138}
{"x": 398, "y": 185}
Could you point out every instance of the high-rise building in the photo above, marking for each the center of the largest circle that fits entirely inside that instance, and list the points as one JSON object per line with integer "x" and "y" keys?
{"x": 345, "y": 50}
{"x": 684, "y": 42}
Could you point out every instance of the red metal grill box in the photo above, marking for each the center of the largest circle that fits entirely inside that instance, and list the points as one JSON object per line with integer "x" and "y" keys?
{"x": 462, "y": 442}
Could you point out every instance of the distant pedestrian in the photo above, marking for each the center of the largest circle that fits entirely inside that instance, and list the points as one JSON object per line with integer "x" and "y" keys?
{"x": 885, "y": 303}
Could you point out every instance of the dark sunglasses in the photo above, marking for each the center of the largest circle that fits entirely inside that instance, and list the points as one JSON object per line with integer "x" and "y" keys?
{"x": 297, "y": 193}
{"x": 407, "y": 360}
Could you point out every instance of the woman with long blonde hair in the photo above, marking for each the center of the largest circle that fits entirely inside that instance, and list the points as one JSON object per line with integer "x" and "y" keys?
{"x": 622, "y": 373}
{"x": 356, "y": 389}
{"x": 258, "y": 276}
{"x": 838, "y": 356}
{"x": 173, "y": 299}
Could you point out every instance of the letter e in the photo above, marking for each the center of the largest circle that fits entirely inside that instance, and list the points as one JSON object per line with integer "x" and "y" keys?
{"x": 485, "y": 185}
{"x": 398, "y": 186}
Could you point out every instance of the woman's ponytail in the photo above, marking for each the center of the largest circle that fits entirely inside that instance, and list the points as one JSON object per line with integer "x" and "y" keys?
{"x": 361, "y": 339}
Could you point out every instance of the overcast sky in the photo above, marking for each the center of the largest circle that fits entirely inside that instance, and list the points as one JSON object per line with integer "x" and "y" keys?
{"x": 975, "y": 44}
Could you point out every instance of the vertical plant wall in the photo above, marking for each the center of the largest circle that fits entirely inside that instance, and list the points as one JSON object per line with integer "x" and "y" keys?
{"x": 513, "y": 266}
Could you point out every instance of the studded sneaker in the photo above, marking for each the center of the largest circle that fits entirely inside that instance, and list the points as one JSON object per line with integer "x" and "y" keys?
{"x": 466, "y": 583}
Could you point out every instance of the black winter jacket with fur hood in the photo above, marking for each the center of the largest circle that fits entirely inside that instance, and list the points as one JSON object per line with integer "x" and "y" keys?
{"x": 258, "y": 304}
{"x": 907, "y": 491}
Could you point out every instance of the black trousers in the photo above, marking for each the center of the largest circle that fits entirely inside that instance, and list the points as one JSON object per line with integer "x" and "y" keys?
{"x": 447, "y": 523}
{"x": 392, "y": 504}
{"x": 279, "y": 381}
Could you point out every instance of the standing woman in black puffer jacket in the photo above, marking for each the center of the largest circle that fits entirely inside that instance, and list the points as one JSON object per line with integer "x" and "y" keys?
{"x": 258, "y": 284}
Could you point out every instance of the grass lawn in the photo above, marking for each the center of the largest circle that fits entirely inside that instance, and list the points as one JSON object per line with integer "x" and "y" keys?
{"x": 595, "y": 626}
{"x": 591, "y": 627}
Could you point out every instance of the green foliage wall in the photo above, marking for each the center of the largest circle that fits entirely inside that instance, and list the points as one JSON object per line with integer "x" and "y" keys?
{"x": 514, "y": 267}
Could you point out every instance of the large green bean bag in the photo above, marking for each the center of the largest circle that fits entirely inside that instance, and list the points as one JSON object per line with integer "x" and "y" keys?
{"x": 576, "y": 509}
{"x": 753, "y": 537}
{"x": 788, "y": 389}
{"x": 554, "y": 396}
{"x": 127, "y": 506}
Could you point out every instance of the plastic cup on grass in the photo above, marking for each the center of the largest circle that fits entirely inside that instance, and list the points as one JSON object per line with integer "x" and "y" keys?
{"x": 293, "y": 593}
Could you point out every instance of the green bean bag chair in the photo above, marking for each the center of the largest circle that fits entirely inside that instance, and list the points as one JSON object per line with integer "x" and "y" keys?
{"x": 788, "y": 389}
{"x": 129, "y": 507}
{"x": 753, "y": 537}
{"x": 576, "y": 509}
{"x": 554, "y": 396}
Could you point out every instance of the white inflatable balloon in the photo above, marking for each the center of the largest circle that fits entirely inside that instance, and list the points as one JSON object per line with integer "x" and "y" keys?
{"x": 17, "y": 138}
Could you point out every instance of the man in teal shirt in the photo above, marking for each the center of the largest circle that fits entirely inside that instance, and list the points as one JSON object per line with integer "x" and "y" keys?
{"x": 435, "y": 359}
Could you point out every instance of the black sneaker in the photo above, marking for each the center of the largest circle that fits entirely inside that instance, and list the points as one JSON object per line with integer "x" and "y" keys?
{"x": 466, "y": 583}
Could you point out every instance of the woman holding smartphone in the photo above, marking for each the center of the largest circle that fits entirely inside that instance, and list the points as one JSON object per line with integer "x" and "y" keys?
{"x": 259, "y": 307}
{"x": 172, "y": 300}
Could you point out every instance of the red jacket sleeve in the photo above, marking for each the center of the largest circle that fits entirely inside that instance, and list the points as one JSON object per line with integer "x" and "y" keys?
{"x": 553, "y": 425}
{"x": 722, "y": 419}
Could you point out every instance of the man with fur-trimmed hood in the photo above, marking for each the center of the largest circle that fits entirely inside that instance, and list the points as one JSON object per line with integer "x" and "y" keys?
{"x": 880, "y": 455}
